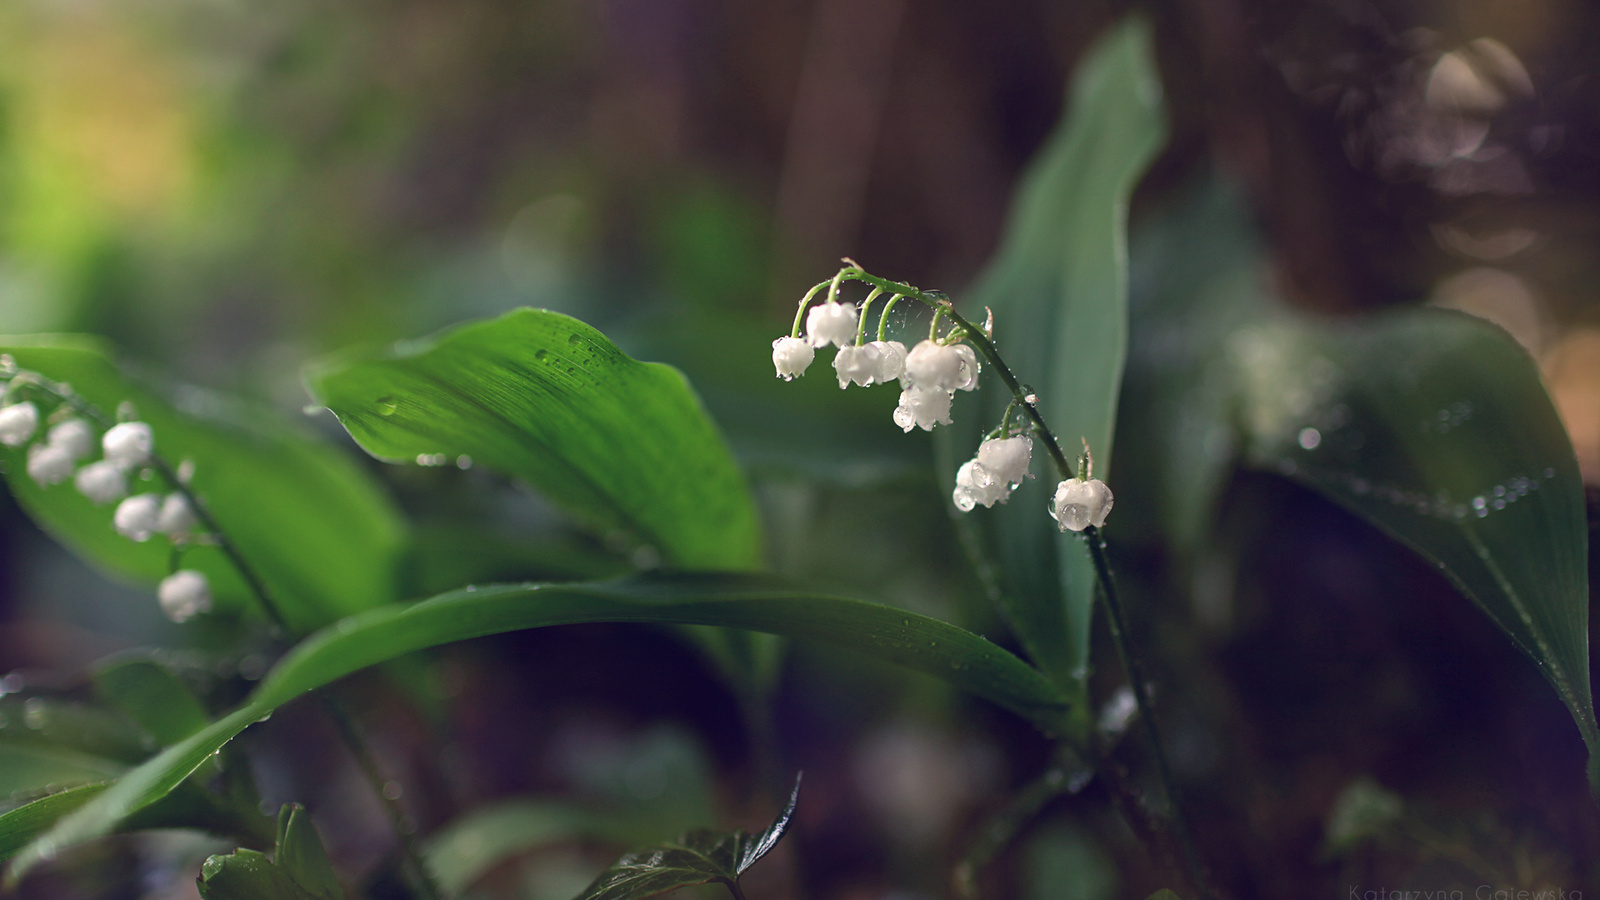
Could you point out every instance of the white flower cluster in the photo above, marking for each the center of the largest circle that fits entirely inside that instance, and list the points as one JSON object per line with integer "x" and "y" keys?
{"x": 125, "y": 448}
{"x": 929, "y": 374}
{"x": 992, "y": 475}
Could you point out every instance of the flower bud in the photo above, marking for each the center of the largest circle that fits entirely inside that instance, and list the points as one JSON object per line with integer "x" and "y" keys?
{"x": 49, "y": 464}
{"x": 17, "y": 423}
{"x": 791, "y": 357}
{"x": 183, "y": 594}
{"x": 102, "y": 482}
{"x": 1079, "y": 504}
{"x": 74, "y": 437}
{"x": 128, "y": 445}
{"x": 857, "y": 364}
{"x": 136, "y": 518}
{"x": 831, "y": 323}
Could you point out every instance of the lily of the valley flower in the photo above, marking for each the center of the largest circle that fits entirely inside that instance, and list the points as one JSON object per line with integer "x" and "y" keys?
{"x": 858, "y": 364}
{"x": 946, "y": 367}
{"x": 138, "y": 517}
{"x": 17, "y": 423}
{"x": 128, "y": 444}
{"x": 791, "y": 356}
{"x": 891, "y": 360}
{"x": 1079, "y": 504}
{"x": 102, "y": 482}
{"x": 831, "y": 323}
{"x": 922, "y": 408}
{"x": 73, "y": 436}
{"x": 177, "y": 518}
{"x": 184, "y": 594}
{"x": 49, "y": 463}
{"x": 989, "y": 477}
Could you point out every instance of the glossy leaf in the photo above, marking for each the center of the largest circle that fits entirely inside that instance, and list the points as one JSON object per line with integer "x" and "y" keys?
{"x": 21, "y": 825}
{"x": 1435, "y": 427}
{"x": 1431, "y": 425}
{"x": 757, "y": 603}
{"x": 299, "y": 869}
{"x": 462, "y": 852}
{"x": 697, "y": 857}
{"x": 28, "y": 768}
{"x": 623, "y": 445}
{"x": 310, "y": 522}
{"x": 1058, "y": 291}
{"x": 154, "y": 697}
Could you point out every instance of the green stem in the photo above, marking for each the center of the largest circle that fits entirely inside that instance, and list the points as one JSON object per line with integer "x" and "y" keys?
{"x": 861, "y": 322}
{"x": 1130, "y": 664}
{"x": 986, "y": 348}
{"x": 883, "y": 317}
{"x": 800, "y": 314}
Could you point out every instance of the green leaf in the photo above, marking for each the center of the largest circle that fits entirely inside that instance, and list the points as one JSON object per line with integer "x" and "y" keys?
{"x": 153, "y": 697}
{"x": 697, "y": 857}
{"x": 1058, "y": 289}
{"x": 1435, "y": 427}
{"x": 300, "y": 853}
{"x": 312, "y": 524}
{"x": 756, "y": 603}
{"x": 298, "y": 871}
{"x": 29, "y": 768}
{"x": 248, "y": 875}
{"x": 18, "y": 827}
{"x": 1431, "y": 425}
{"x": 621, "y": 444}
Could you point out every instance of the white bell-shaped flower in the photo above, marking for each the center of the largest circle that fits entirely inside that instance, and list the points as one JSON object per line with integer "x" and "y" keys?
{"x": 138, "y": 517}
{"x": 74, "y": 437}
{"x": 945, "y": 367}
{"x": 1007, "y": 458}
{"x": 975, "y": 484}
{"x": 18, "y": 423}
{"x": 102, "y": 482}
{"x": 891, "y": 360}
{"x": 857, "y": 364}
{"x": 128, "y": 444}
{"x": 922, "y": 408}
{"x": 969, "y": 367}
{"x": 184, "y": 594}
{"x": 1079, "y": 504}
{"x": 49, "y": 464}
{"x": 791, "y": 356}
{"x": 177, "y": 517}
{"x": 831, "y": 323}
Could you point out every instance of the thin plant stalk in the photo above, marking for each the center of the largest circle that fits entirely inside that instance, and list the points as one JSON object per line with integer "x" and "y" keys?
{"x": 1108, "y": 592}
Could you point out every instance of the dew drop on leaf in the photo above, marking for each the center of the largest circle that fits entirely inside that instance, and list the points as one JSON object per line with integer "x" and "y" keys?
{"x": 387, "y": 405}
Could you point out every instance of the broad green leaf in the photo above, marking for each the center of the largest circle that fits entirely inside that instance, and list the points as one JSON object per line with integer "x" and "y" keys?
{"x": 26, "y": 768}
{"x": 697, "y": 857}
{"x": 623, "y": 445}
{"x": 299, "y": 869}
{"x": 756, "y": 603}
{"x": 53, "y": 724}
{"x": 1429, "y": 424}
{"x": 153, "y": 697}
{"x": 1435, "y": 427}
{"x": 21, "y": 825}
{"x": 312, "y": 525}
{"x": 1058, "y": 290}
{"x": 248, "y": 875}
